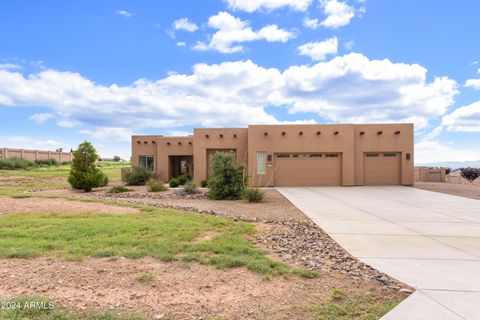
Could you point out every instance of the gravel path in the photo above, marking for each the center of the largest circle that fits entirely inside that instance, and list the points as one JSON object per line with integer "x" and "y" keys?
{"x": 462, "y": 190}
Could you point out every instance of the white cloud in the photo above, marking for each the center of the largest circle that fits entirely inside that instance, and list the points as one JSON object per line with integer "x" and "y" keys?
{"x": 41, "y": 117}
{"x": 123, "y": 13}
{"x": 354, "y": 89}
{"x": 463, "y": 119}
{"x": 25, "y": 142}
{"x": 9, "y": 66}
{"x": 185, "y": 25}
{"x": 319, "y": 50}
{"x": 473, "y": 83}
{"x": 181, "y": 44}
{"x": 338, "y": 13}
{"x": 233, "y": 31}
{"x": 429, "y": 151}
{"x": 348, "y": 88}
{"x": 109, "y": 133}
{"x": 311, "y": 23}
{"x": 254, "y": 5}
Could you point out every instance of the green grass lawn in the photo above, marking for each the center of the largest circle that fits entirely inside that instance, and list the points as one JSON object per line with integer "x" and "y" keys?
{"x": 159, "y": 233}
{"x": 341, "y": 306}
{"x": 51, "y": 177}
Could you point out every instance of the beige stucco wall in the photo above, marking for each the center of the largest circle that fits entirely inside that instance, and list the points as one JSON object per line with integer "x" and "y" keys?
{"x": 161, "y": 148}
{"x": 430, "y": 174}
{"x": 218, "y": 138}
{"x": 248, "y": 141}
{"x": 293, "y": 141}
{"x": 34, "y": 155}
{"x": 388, "y": 141}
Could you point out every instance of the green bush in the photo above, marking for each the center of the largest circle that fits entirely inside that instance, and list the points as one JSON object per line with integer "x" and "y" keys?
{"x": 226, "y": 178}
{"x": 190, "y": 188}
{"x": 47, "y": 162}
{"x": 253, "y": 194}
{"x": 138, "y": 177}
{"x": 174, "y": 183}
{"x": 156, "y": 186}
{"x": 84, "y": 174}
{"x": 204, "y": 183}
{"x": 15, "y": 163}
{"x": 119, "y": 189}
{"x": 183, "y": 178}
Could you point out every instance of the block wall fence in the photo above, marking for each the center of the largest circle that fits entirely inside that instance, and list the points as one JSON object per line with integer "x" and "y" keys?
{"x": 34, "y": 155}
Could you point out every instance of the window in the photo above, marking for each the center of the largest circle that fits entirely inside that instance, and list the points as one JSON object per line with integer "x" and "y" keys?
{"x": 283, "y": 155}
{"x": 315, "y": 155}
{"x": 331, "y": 155}
{"x": 261, "y": 163}
{"x": 390, "y": 154}
{"x": 147, "y": 162}
{"x": 372, "y": 155}
{"x": 299, "y": 155}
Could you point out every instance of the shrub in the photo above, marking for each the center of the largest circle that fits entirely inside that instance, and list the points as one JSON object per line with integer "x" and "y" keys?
{"x": 119, "y": 189}
{"x": 146, "y": 277}
{"x": 190, "y": 188}
{"x": 174, "y": 183}
{"x": 138, "y": 177}
{"x": 253, "y": 194}
{"x": 470, "y": 173}
{"x": 15, "y": 163}
{"x": 47, "y": 162}
{"x": 156, "y": 186}
{"x": 226, "y": 182}
{"x": 184, "y": 178}
{"x": 105, "y": 181}
{"x": 204, "y": 183}
{"x": 84, "y": 174}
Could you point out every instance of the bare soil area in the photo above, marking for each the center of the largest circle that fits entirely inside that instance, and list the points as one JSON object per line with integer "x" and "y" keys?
{"x": 25, "y": 205}
{"x": 177, "y": 291}
{"x": 462, "y": 190}
{"x": 275, "y": 207}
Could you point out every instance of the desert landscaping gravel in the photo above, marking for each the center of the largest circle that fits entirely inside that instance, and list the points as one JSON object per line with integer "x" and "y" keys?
{"x": 462, "y": 190}
{"x": 178, "y": 291}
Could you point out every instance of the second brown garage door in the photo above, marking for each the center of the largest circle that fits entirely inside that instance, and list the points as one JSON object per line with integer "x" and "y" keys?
{"x": 382, "y": 168}
{"x": 308, "y": 169}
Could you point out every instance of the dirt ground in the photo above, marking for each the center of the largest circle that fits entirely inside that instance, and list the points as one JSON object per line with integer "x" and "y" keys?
{"x": 274, "y": 207}
{"x": 26, "y": 205}
{"x": 462, "y": 190}
{"x": 179, "y": 291}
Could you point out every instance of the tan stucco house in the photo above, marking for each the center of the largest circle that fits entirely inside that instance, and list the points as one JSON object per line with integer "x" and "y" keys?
{"x": 288, "y": 155}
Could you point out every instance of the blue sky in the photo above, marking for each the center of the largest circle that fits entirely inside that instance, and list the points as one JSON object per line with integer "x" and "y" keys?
{"x": 103, "y": 70}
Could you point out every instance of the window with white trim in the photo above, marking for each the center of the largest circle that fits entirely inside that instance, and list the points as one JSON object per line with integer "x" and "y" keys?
{"x": 261, "y": 165}
{"x": 147, "y": 162}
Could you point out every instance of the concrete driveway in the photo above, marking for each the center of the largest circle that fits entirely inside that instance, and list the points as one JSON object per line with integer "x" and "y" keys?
{"x": 429, "y": 240}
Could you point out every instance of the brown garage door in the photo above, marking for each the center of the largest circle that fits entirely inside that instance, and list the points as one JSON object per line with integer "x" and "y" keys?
{"x": 308, "y": 169}
{"x": 382, "y": 168}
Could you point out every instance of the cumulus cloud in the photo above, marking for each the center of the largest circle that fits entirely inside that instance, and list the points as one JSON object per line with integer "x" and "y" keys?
{"x": 429, "y": 151}
{"x": 39, "y": 118}
{"x": 319, "y": 50}
{"x": 254, "y": 5}
{"x": 109, "y": 133}
{"x": 473, "y": 83}
{"x": 123, "y": 13}
{"x": 354, "y": 89}
{"x": 350, "y": 88}
{"x": 311, "y": 23}
{"x": 463, "y": 119}
{"x": 185, "y": 25}
{"x": 233, "y": 31}
{"x": 181, "y": 44}
{"x": 338, "y": 13}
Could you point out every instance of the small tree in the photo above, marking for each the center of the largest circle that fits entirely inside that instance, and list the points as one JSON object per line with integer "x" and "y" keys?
{"x": 226, "y": 178}
{"x": 116, "y": 158}
{"x": 84, "y": 174}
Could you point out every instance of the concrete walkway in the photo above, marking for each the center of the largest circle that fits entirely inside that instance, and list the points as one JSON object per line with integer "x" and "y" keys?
{"x": 428, "y": 240}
